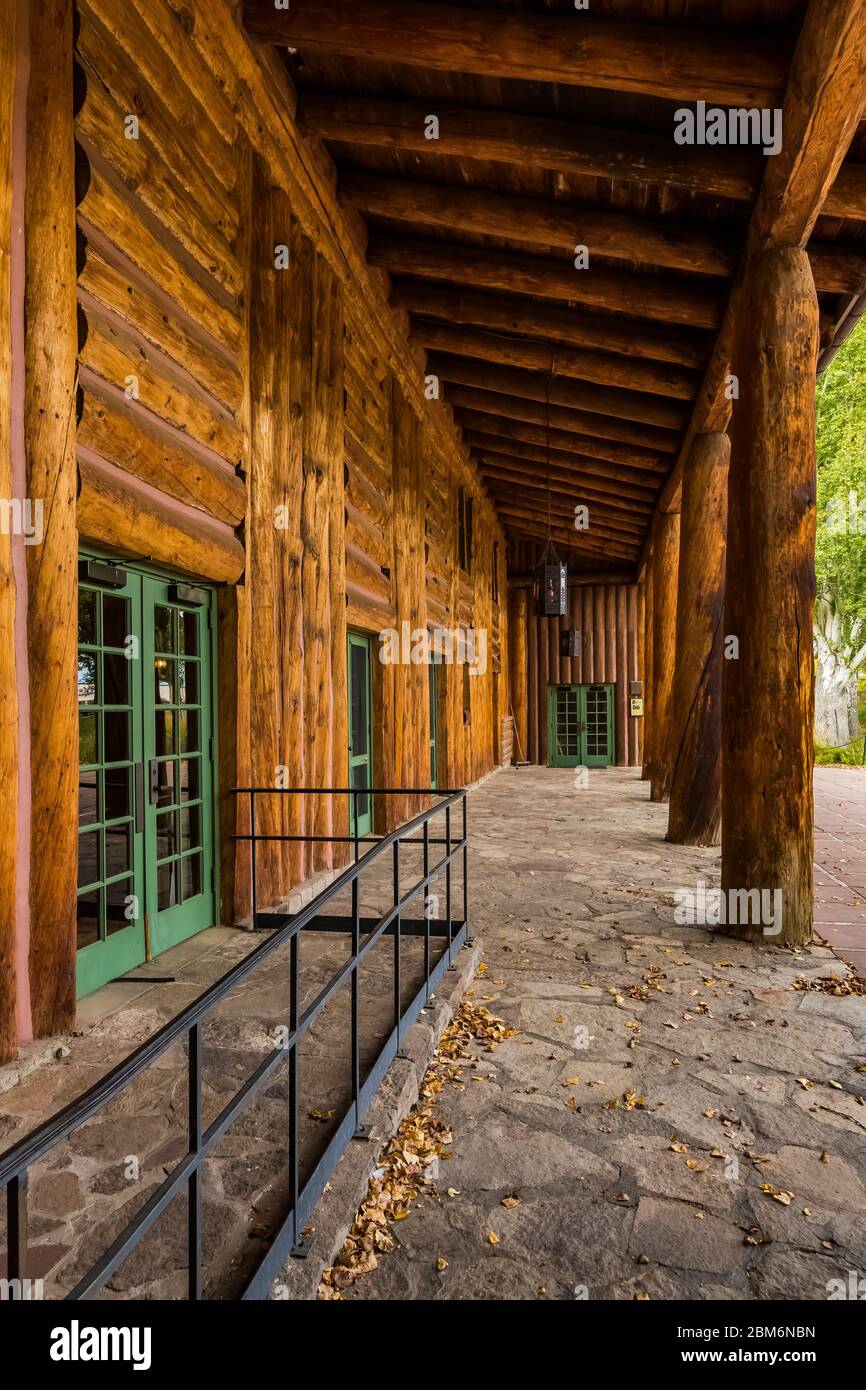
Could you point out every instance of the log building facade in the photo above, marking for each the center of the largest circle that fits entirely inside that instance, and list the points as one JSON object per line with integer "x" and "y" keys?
{"x": 316, "y": 323}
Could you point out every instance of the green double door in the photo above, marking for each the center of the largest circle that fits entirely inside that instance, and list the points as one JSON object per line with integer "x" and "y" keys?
{"x": 146, "y": 862}
{"x": 580, "y": 725}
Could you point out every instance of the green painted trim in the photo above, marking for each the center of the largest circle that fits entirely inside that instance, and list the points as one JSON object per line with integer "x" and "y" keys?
{"x": 362, "y": 642}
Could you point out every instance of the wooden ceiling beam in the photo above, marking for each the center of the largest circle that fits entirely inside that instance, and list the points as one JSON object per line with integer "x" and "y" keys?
{"x": 677, "y": 61}
{"x": 497, "y": 427}
{"x": 562, "y": 226}
{"x": 599, "y": 526}
{"x": 519, "y": 469}
{"x": 567, "y": 147}
{"x": 664, "y": 299}
{"x": 536, "y": 222}
{"x": 601, "y": 400}
{"x": 599, "y": 368}
{"x": 601, "y": 436}
{"x": 563, "y": 537}
{"x": 619, "y": 483}
{"x": 519, "y": 314}
{"x": 823, "y": 105}
{"x": 571, "y": 490}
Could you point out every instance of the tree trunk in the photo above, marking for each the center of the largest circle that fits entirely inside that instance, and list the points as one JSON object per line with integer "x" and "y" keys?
{"x": 854, "y": 729}
{"x": 832, "y": 710}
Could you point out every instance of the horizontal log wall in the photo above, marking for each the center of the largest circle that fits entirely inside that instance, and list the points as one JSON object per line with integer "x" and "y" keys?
{"x": 609, "y": 619}
{"x": 230, "y": 373}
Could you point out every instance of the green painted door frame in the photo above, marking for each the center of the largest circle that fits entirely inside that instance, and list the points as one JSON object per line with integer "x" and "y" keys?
{"x": 360, "y": 667}
{"x": 147, "y": 819}
{"x": 111, "y": 875}
{"x": 580, "y": 725}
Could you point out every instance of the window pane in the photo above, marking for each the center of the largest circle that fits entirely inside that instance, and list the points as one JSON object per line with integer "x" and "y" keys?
{"x": 87, "y": 685}
{"x": 190, "y": 828}
{"x": 189, "y": 633}
{"x": 88, "y": 798}
{"x": 188, "y": 682}
{"x": 88, "y": 739}
{"x": 165, "y": 677}
{"x": 189, "y": 740}
{"x": 190, "y": 779}
{"x": 192, "y": 876}
{"x": 116, "y": 737}
{"x": 86, "y": 615}
{"x": 166, "y": 834}
{"x": 115, "y": 670}
{"x": 119, "y": 913}
{"x": 115, "y": 620}
{"x": 117, "y": 849}
{"x": 163, "y": 635}
{"x": 117, "y": 789}
{"x": 89, "y": 858}
{"x": 88, "y": 919}
{"x": 164, "y": 732}
{"x": 167, "y": 885}
{"x": 166, "y": 792}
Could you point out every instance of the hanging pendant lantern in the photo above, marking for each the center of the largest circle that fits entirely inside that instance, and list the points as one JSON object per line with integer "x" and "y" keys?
{"x": 551, "y": 585}
{"x": 551, "y": 575}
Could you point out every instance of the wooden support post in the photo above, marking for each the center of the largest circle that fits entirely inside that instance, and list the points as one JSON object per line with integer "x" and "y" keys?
{"x": 519, "y": 673}
{"x": 695, "y": 816}
{"x": 8, "y": 688}
{"x": 49, "y": 422}
{"x": 768, "y": 692}
{"x": 648, "y": 712}
{"x": 665, "y": 566}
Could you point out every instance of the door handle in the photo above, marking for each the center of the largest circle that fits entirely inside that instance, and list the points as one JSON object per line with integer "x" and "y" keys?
{"x": 154, "y": 781}
{"x": 139, "y": 798}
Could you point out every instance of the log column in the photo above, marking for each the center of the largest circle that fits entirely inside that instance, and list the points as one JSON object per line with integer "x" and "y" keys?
{"x": 646, "y": 768}
{"x": 519, "y": 673}
{"x": 768, "y": 692}
{"x": 8, "y": 686}
{"x": 696, "y": 789}
{"x": 666, "y": 544}
{"x": 50, "y": 352}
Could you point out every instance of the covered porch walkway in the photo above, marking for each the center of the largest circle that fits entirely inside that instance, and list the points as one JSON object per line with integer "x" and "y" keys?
{"x": 676, "y": 1118}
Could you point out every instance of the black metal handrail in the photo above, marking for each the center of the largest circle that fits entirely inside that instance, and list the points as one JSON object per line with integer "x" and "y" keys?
{"x": 16, "y": 1161}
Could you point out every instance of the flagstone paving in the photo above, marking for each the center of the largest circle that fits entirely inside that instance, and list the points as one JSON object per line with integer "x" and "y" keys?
{"x": 662, "y": 1077}
{"x": 840, "y": 861}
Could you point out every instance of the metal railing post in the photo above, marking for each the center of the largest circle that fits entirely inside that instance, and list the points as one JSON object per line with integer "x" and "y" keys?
{"x": 300, "y": 1247}
{"x": 466, "y": 870}
{"x": 16, "y": 1228}
{"x": 448, "y": 884}
{"x": 426, "y": 900}
{"x": 194, "y": 1195}
{"x": 397, "y": 986}
{"x": 253, "y": 856}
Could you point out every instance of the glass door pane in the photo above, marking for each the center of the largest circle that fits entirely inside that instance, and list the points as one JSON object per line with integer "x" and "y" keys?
{"x": 180, "y": 777}
{"x": 111, "y": 885}
{"x": 360, "y": 731}
{"x": 564, "y": 726}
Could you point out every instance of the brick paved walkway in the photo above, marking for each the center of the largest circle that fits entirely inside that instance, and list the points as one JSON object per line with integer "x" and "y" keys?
{"x": 840, "y": 861}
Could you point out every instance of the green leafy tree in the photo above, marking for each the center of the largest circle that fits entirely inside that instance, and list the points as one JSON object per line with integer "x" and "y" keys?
{"x": 841, "y": 542}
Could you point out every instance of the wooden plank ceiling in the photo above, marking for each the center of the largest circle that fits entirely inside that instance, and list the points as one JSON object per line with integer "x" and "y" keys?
{"x": 556, "y": 131}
